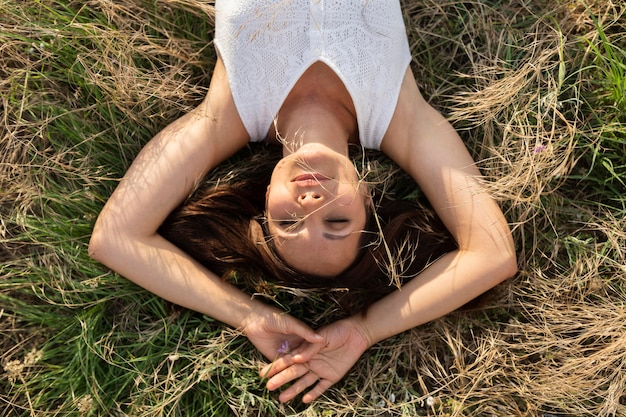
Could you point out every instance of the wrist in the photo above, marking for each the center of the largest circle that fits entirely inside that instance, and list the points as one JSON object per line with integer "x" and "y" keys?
{"x": 359, "y": 324}
{"x": 258, "y": 313}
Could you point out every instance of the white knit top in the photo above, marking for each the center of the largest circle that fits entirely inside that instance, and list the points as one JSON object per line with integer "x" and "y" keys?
{"x": 266, "y": 45}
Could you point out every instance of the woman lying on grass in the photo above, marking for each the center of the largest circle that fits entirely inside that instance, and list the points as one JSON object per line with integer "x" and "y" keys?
{"x": 312, "y": 79}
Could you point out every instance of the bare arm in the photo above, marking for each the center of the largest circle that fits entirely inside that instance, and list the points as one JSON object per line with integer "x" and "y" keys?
{"x": 163, "y": 174}
{"x": 426, "y": 146}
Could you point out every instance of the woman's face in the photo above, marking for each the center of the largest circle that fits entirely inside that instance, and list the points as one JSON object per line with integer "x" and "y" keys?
{"x": 316, "y": 210}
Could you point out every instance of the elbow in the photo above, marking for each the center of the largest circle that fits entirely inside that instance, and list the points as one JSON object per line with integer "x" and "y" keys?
{"x": 499, "y": 262}
{"x": 503, "y": 256}
{"x": 102, "y": 243}
{"x": 507, "y": 265}
{"x": 97, "y": 244}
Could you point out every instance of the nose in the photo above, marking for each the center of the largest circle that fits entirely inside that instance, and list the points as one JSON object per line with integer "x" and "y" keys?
{"x": 310, "y": 198}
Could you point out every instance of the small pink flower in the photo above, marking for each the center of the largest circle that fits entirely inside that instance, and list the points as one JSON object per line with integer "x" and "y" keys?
{"x": 539, "y": 148}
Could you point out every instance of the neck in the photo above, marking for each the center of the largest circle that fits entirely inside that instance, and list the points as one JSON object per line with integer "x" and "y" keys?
{"x": 313, "y": 124}
{"x": 318, "y": 109}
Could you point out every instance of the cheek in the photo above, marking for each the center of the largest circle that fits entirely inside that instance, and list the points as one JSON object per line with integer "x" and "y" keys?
{"x": 351, "y": 196}
{"x": 354, "y": 207}
{"x": 277, "y": 202}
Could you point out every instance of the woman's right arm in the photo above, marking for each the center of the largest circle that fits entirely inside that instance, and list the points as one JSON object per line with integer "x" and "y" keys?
{"x": 164, "y": 173}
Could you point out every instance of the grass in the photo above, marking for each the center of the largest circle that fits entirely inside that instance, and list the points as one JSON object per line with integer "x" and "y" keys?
{"x": 536, "y": 89}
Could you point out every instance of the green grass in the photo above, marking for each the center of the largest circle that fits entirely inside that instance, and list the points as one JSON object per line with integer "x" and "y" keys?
{"x": 536, "y": 89}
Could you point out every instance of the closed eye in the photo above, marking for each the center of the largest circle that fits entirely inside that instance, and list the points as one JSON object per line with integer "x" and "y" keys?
{"x": 289, "y": 225}
{"x": 286, "y": 223}
{"x": 337, "y": 224}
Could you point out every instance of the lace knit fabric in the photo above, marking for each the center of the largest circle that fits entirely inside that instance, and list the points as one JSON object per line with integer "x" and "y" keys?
{"x": 266, "y": 45}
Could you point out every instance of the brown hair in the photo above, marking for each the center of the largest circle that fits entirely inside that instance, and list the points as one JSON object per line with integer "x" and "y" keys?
{"x": 221, "y": 225}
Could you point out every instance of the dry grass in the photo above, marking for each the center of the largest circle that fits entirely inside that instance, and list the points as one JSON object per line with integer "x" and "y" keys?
{"x": 536, "y": 89}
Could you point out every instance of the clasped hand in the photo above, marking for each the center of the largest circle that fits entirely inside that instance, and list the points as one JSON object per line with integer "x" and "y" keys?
{"x": 317, "y": 363}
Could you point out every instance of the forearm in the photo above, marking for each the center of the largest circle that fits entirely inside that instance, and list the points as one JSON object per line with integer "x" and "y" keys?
{"x": 161, "y": 268}
{"x": 446, "y": 285}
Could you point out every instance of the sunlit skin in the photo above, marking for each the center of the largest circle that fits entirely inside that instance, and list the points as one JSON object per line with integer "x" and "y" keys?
{"x": 316, "y": 210}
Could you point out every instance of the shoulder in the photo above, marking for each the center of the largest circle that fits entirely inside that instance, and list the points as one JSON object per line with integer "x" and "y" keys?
{"x": 417, "y": 131}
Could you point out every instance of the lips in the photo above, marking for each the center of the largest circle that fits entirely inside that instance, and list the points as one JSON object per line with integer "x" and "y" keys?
{"x": 310, "y": 178}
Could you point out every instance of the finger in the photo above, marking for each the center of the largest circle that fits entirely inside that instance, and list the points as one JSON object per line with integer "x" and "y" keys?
{"x": 317, "y": 390}
{"x": 302, "y": 330}
{"x": 300, "y": 385}
{"x": 305, "y": 352}
{"x": 293, "y": 372}
{"x": 307, "y": 333}
{"x": 277, "y": 366}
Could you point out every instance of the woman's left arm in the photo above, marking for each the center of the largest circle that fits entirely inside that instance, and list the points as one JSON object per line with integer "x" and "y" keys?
{"x": 422, "y": 142}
